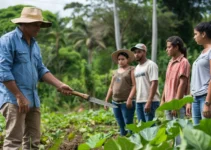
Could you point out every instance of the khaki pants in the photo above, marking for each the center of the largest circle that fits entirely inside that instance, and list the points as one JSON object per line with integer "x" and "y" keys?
{"x": 21, "y": 128}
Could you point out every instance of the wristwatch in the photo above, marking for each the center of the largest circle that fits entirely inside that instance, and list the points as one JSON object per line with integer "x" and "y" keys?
{"x": 207, "y": 103}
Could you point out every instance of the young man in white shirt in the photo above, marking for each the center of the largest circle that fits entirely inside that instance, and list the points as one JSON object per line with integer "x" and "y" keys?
{"x": 146, "y": 77}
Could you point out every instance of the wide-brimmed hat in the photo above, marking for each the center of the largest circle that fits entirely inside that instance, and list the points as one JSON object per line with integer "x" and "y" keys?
{"x": 115, "y": 54}
{"x": 140, "y": 46}
{"x": 30, "y": 15}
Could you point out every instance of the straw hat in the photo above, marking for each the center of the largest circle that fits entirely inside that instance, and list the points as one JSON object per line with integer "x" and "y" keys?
{"x": 30, "y": 15}
{"x": 115, "y": 54}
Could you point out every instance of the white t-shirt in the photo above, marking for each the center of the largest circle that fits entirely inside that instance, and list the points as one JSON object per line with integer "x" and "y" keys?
{"x": 144, "y": 74}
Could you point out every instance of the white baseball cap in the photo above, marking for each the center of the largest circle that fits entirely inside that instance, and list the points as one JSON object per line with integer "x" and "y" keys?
{"x": 140, "y": 46}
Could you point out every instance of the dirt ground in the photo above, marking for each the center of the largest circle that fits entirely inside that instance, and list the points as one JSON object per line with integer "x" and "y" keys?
{"x": 73, "y": 143}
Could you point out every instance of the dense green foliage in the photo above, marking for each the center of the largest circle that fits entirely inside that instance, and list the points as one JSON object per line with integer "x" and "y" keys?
{"x": 161, "y": 136}
{"x": 77, "y": 49}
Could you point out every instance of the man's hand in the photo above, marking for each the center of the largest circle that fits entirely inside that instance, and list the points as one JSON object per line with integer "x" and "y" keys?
{"x": 65, "y": 89}
{"x": 188, "y": 110}
{"x": 174, "y": 113}
{"x": 23, "y": 104}
{"x": 207, "y": 111}
{"x": 147, "y": 107}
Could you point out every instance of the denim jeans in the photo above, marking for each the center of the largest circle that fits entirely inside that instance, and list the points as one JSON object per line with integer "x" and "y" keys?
{"x": 143, "y": 116}
{"x": 197, "y": 108}
{"x": 170, "y": 117}
{"x": 123, "y": 115}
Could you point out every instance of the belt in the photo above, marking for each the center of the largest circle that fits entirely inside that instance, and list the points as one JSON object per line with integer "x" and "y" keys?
{"x": 121, "y": 102}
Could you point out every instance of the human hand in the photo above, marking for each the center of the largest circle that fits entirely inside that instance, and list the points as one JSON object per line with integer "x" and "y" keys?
{"x": 188, "y": 110}
{"x": 206, "y": 111}
{"x": 129, "y": 104}
{"x": 23, "y": 104}
{"x": 65, "y": 89}
{"x": 106, "y": 107}
{"x": 162, "y": 102}
{"x": 147, "y": 107}
{"x": 174, "y": 113}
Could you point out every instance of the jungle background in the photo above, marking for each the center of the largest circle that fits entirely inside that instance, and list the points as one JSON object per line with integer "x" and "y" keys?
{"x": 77, "y": 49}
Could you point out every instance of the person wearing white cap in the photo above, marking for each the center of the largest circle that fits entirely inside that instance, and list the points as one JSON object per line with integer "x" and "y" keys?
{"x": 122, "y": 89}
{"x": 146, "y": 77}
{"x": 21, "y": 68}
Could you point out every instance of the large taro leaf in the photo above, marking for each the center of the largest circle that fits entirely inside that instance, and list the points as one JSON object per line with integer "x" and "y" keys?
{"x": 83, "y": 146}
{"x": 97, "y": 140}
{"x": 197, "y": 139}
{"x": 149, "y": 133}
{"x": 160, "y": 137}
{"x": 172, "y": 128}
{"x": 141, "y": 125}
{"x": 136, "y": 139}
{"x": 125, "y": 143}
{"x": 111, "y": 144}
{"x": 163, "y": 146}
{"x": 175, "y": 104}
{"x": 205, "y": 125}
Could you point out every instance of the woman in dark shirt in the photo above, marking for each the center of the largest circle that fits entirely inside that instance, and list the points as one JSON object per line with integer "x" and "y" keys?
{"x": 122, "y": 89}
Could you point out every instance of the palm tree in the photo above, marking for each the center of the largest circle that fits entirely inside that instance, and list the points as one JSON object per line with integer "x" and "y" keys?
{"x": 88, "y": 35}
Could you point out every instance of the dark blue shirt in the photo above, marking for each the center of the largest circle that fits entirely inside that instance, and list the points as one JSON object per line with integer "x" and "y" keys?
{"x": 21, "y": 63}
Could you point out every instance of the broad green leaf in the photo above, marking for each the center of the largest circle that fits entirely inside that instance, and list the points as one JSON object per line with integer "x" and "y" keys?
{"x": 175, "y": 104}
{"x": 184, "y": 123}
{"x": 111, "y": 144}
{"x": 125, "y": 143}
{"x": 136, "y": 138}
{"x": 197, "y": 139}
{"x": 141, "y": 125}
{"x": 160, "y": 137}
{"x": 149, "y": 133}
{"x": 161, "y": 146}
{"x": 83, "y": 146}
{"x": 205, "y": 125}
{"x": 97, "y": 140}
{"x": 172, "y": 128}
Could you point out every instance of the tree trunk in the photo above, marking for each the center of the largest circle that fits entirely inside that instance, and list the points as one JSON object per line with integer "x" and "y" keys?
{"x": 117, "y": 28}
{"x": 154, "y": 32}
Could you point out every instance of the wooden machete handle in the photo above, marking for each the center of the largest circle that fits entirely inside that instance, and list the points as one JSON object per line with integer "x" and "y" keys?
{"x": 82, "y": 95}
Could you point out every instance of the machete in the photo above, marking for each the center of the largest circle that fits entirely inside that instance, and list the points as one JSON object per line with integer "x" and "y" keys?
{"x": 93, "y": 99}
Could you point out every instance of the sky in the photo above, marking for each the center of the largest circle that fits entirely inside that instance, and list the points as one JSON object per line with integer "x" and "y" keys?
{"x": 51, "y": 5}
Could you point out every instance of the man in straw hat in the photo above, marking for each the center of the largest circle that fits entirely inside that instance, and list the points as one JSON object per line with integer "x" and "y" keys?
{"x": 21, "y": 68}
{"x": 146, "y": 76}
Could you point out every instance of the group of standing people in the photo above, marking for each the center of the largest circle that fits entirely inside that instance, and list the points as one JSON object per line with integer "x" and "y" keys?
{"x": 131, "y": 88}
{"x": 136, "y": 88}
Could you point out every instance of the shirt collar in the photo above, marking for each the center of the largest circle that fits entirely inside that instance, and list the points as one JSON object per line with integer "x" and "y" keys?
{"x": 178, "y": 59}
{"x": 20, "y": 34}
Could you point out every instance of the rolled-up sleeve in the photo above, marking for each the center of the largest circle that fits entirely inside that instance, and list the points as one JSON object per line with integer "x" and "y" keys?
{"x": 6, "y": 60}
{"x": 41, "y": 71}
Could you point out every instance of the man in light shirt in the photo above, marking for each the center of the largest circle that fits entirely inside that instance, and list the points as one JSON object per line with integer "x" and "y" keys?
{"x": 146, "y": 77}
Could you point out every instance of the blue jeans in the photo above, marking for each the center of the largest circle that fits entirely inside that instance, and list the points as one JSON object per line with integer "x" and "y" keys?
{"x": 123, "y": 115}
{"x": 143, "y": 116}
{"x": 170, "y": 117}
{"x": 197, "y": 108}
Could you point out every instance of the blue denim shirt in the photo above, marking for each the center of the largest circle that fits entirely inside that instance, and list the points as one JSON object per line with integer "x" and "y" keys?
{"x": 23, "y": 64}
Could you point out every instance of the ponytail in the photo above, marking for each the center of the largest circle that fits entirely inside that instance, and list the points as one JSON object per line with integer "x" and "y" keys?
{"x": 177, "y": 41}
